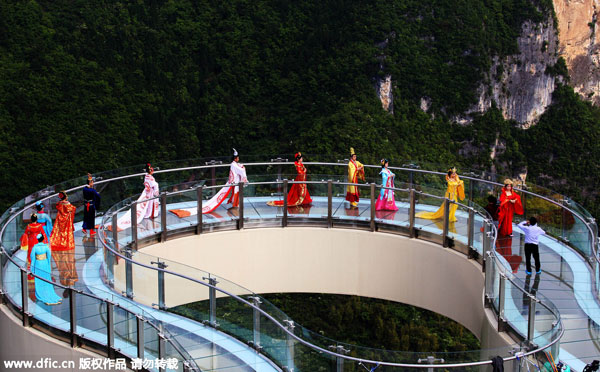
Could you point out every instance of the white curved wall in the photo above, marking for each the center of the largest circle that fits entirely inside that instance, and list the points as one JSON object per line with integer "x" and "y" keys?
{"x": 339, "y": 261}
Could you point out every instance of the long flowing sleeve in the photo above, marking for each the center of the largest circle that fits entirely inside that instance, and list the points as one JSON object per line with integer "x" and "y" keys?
{"x": 32, "y": 258}
{"x": 461, "y": 189}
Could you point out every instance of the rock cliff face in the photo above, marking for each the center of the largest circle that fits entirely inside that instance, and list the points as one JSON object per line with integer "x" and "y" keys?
{"x": 384, "y": 91}
{"x": 577, "y": 23}
{"x": 519, "y": 84}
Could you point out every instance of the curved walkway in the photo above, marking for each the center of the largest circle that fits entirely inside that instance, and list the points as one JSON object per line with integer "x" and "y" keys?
{"x": 565, "y": 281}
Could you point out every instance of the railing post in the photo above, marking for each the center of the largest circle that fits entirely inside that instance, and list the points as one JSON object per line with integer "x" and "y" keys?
{"x": 471, "y": 232}
{"x": 531, "y": 321}
{"x": 128, "y": 274}
{"x": 373, "y": 206}
{"x": 446, "y": 222}
{"x": 1, "y": 276}
{"x": 488, "y": 280}
{"x": 471, "y": 187}
{"x": 486, "y": 242}
{"x": 163, "y": 217}
{"x": 25, "y": 299}
{"x": 161, "y": 283}
{"x": 161, "y": 346}
{"x": 73, "y": 316}
{"x": 212, "y": 299}
{"x": 161, "y": 349}
{"x": 411, "y": 213}
{"x": 199, "y": 194}
{"x": 134, "y": 238}
{"x": 329, "y": 203}
{"x": 284, "y": 220}
{"x": 140, "y": 336}
{"x": 501, "y": 303}
{"x": 289, "y": 325}
{"x": 241, "y": 207}
{"x": 410, "y": 179}
{"x": 115, "y": 230}
{"x": 430, "y": 360}
{"x": 339, "y": 361}
{"x": 110, "y": 267}
{"x": 110, "y": 330}
{"x": 256, "y": 322}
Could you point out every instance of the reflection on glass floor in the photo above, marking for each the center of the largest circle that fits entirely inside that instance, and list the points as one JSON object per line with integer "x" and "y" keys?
{"x": 565, "y": 279}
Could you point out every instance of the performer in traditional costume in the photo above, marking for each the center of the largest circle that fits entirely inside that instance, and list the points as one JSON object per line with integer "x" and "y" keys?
{"x": 510, "y": 203}
{"x": 145, "y": 208}
{"x": 44, "y": 218}
{"x": 386, "y": 200}
{"x": 41, "y": 258}
{"x": 237, "y": 174}
{"x": 455, "y": 191}
{"x": 298, "y": 194}
{"x": 62, "y": 241}
{"x": 356, "y": 171}
{"x": 29, "y": 238}
{"x": 91, "y": 203}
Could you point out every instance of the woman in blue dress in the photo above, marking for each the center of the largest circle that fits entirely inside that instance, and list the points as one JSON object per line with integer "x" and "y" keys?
{"x": 386, "y": 200}
{"x": 41, "y": 257}
{"x": 44, "y": 218}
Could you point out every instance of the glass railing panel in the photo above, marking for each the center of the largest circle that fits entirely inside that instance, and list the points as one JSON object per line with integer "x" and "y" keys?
{"x": 578, "y": 235}
{"x": 273, "y": 341}
{"x": 125, "y": 328}
{"x": 515, "y": 307}
{"x": 458, "y": 227}
{"x": 187, "y": 298}
{"x": 393, "y": 208}
{"x": 309, "y": 359}
{"x": 221, "y": 216}
{"x": 150, "y": 225}
{"x": 234, "y": 318}
{"x": 175, "y": 361}
{"x": 182, "y": 209}
{"x": 151, "y": 345}
{"x": 12, "y": 281}
{"x": 510, "y": 251}
{"x": 348, "y": 214}
{"x": 91, "y": 318}
{"x": 256, "y": 198}
{"x": 145, "y": 280}
{"x": 493, "y": 283}
{"x": 429, "y": 214}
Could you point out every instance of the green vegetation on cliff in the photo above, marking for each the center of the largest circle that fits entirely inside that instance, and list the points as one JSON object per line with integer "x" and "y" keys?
{"x": 90, "y": 86}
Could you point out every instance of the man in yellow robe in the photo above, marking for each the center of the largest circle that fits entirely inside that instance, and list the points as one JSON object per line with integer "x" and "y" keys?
{"x": 355, "y": 171}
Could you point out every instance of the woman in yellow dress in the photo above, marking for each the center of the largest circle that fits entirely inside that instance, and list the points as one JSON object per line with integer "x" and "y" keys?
{"x": 456, "y": 190}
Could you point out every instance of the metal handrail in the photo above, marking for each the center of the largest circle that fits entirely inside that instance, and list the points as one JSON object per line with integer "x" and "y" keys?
{"x": 584, "y": 220}
{"x": 290, "y": 333}
{"x": 75, "y": 291}
{"x": 317, "y": 182}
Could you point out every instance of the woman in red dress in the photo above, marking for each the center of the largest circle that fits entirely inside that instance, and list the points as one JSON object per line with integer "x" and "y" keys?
{"x": 298, "y": 194}
{"x": 29, "y": 238}
{"x": 510, "y": 203}
{"x": 62, "y": 241}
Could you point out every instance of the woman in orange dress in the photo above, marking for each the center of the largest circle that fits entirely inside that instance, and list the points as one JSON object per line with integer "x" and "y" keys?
{"x": 29, "y": 238}
{"x": 62, "y": 241}
{"x": 298, "y": 194}
{"x": 510, "y": 203}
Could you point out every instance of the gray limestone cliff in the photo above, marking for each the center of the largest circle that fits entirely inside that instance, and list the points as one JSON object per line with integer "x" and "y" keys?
{"x": 519, "y": 85}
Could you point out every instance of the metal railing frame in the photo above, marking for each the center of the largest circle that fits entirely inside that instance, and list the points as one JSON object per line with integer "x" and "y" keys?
{"x": 594, "y": 259}
{"x": 285, "y": 327}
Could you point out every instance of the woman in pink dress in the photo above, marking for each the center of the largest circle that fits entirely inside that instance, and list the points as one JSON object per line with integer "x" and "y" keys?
{"x": 386, "y": 201}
